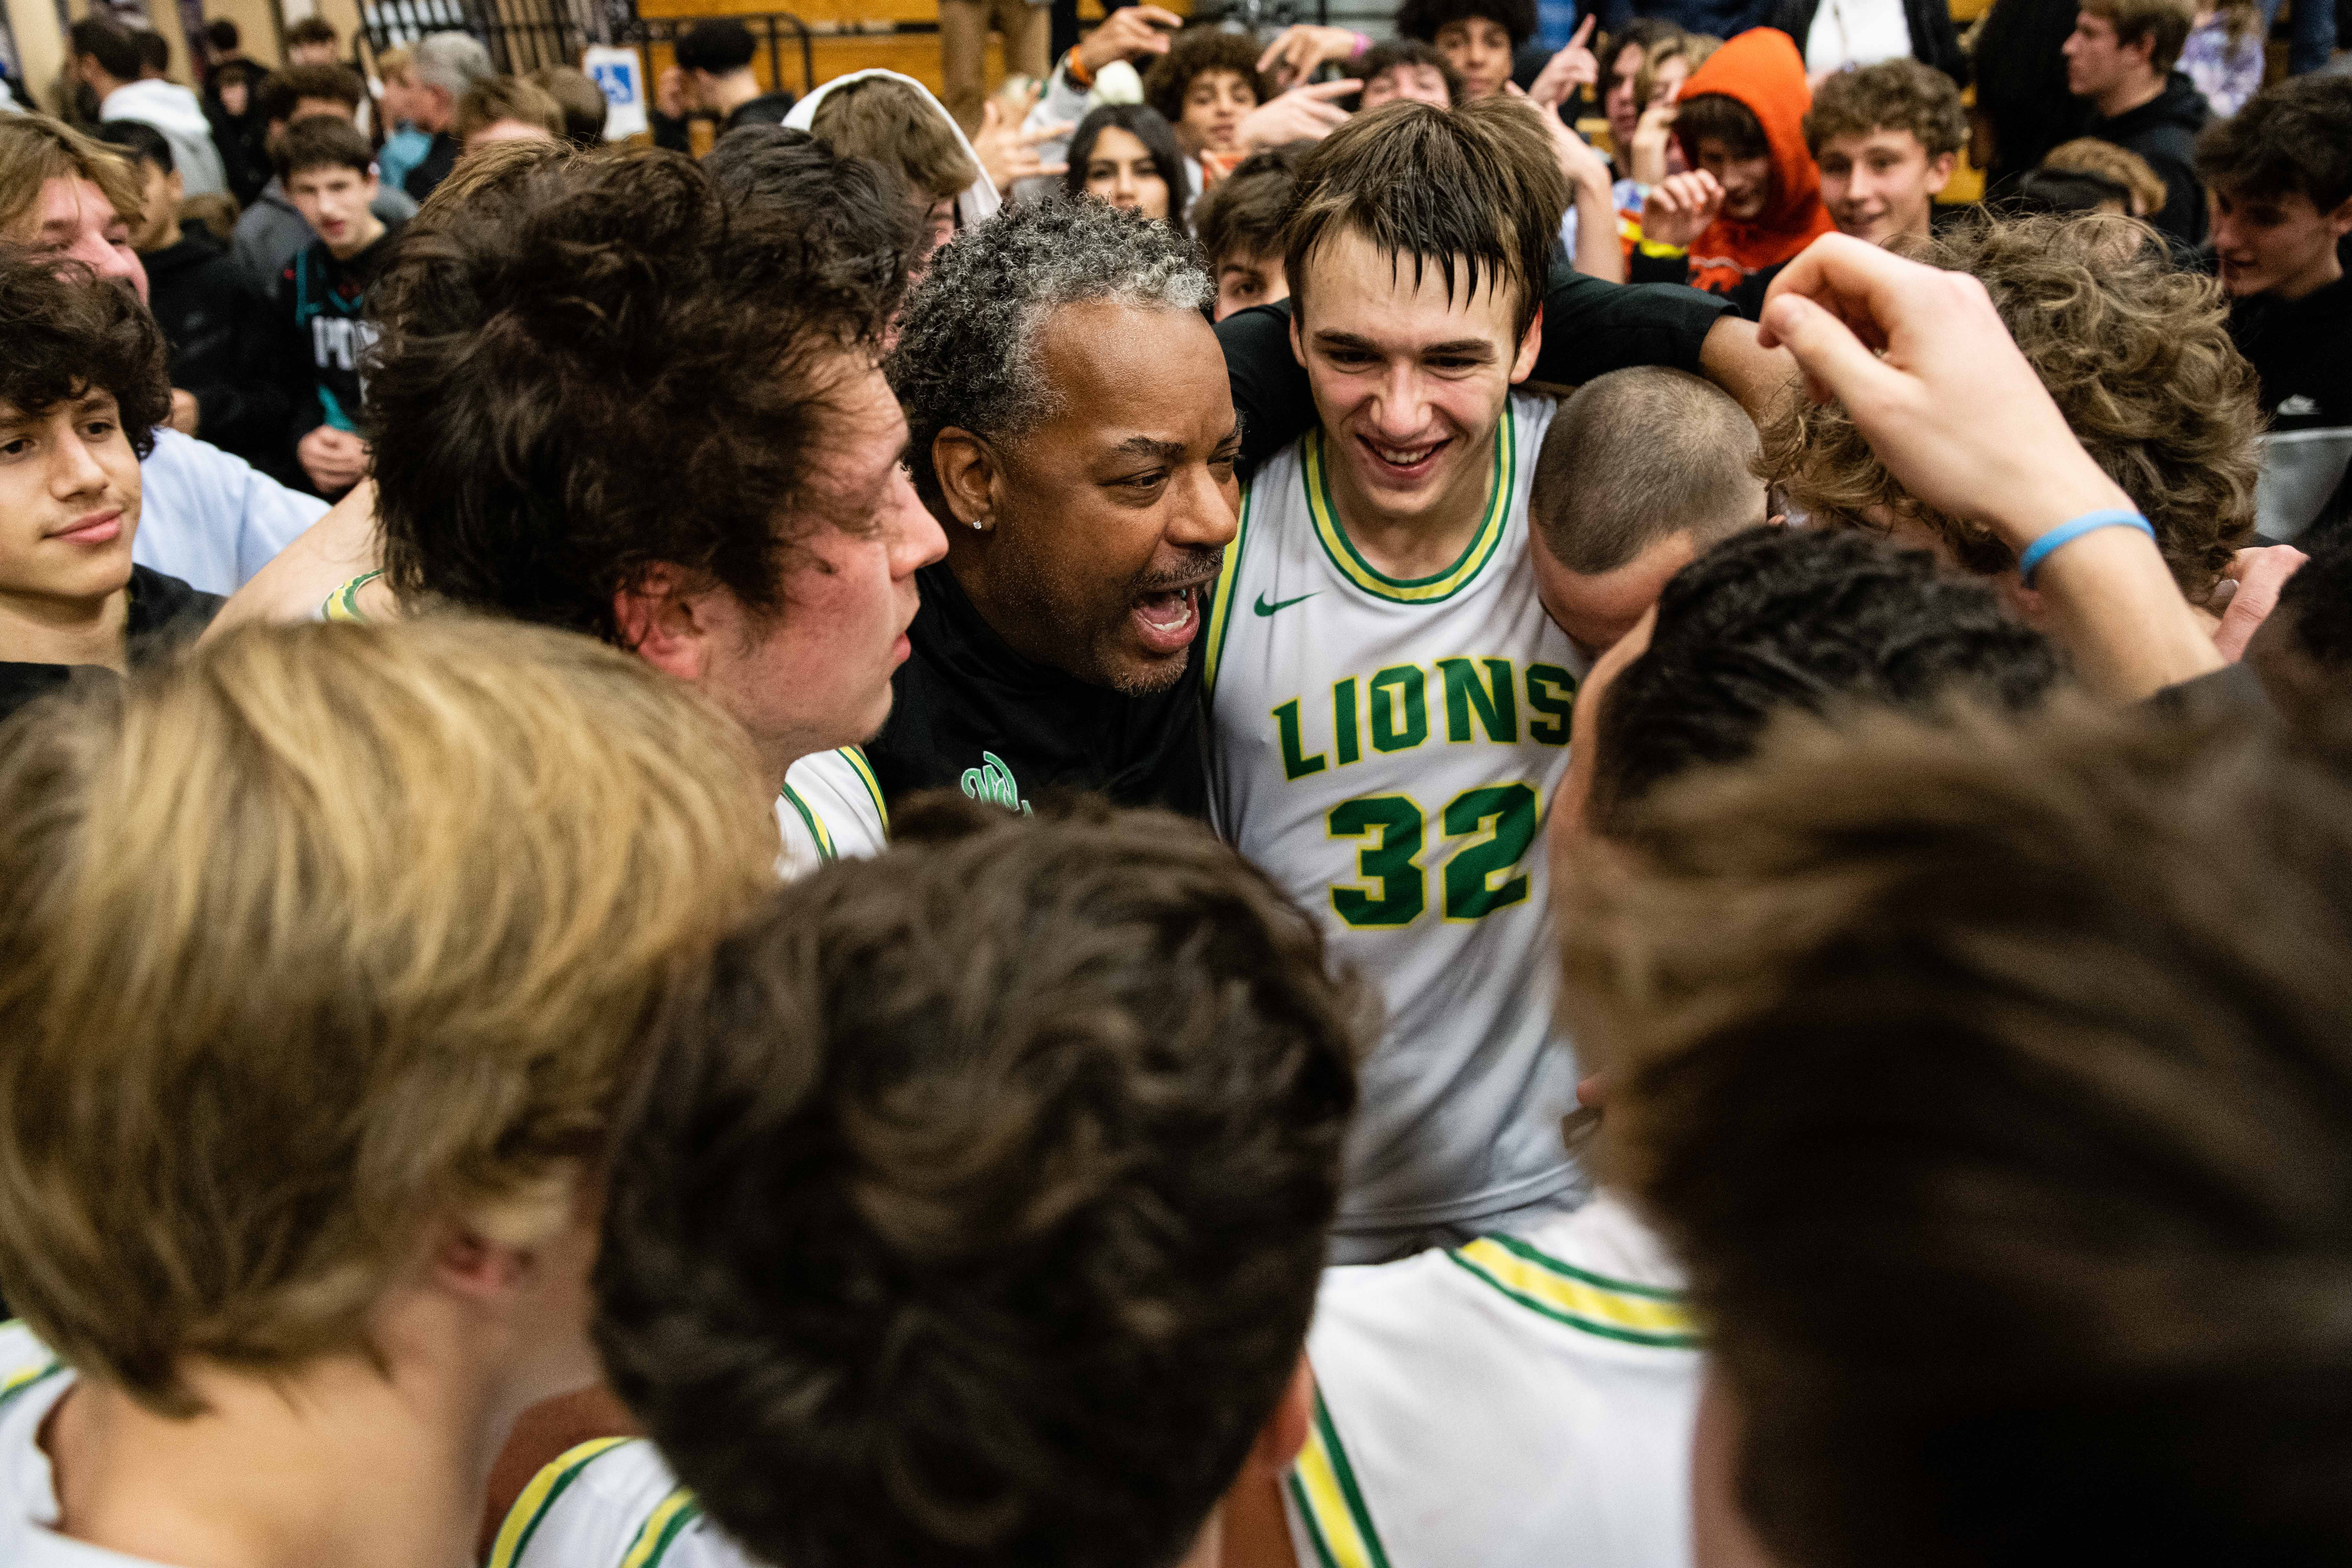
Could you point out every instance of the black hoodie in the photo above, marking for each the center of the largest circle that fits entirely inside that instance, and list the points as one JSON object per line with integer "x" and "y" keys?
{"x": 2164, "y": 131}
{"x": 218, "y": 330}
{"x": 163, "y": 615}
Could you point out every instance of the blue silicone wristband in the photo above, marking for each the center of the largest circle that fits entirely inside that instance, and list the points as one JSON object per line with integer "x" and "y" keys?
{"x": 2067, "y": 532}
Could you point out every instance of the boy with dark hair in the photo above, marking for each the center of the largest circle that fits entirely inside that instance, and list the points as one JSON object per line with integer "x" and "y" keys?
{"x": 1065, "y": 1345}
{"x": 1640, "y": 471}
{"x": 852, "y": 208}
{"x": 312, "y": 42}
{"x": 82, "y": 389}
{"x": 1885, "y": 139}
{"x": 107, "y": 58}
{"x": 2280, "y": 177}
{"x": 1999, "y": 1024}
{"x": 713, "y": 76}
{"x": 1477, "y": 37}
{"x": 272, "y": 231}
{"x": 215, "y": 326}
{"x": 320, "y": 301}
{"x": 1202, "y": 86}
{"x": 1381, "y": 675}
{"x": 1407, "y": 68}
{"x": 1239, "y": 225}
{"x": 2303, "y": 649}
{"x": 1753, "y": 198}
{"x": 2119, "y": 63}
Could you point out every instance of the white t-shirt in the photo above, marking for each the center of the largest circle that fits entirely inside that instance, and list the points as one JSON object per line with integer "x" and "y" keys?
{"x": 611, "y": 1503}
{"x": 32, "y": 1380}
{"x": 1856, "y": 33}
{"x": 1389, "y": 752}
{"x": 1517, "y": 1403}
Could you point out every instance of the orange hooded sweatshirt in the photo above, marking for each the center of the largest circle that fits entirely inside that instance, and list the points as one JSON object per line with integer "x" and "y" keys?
{"x": 1762, "y": 70}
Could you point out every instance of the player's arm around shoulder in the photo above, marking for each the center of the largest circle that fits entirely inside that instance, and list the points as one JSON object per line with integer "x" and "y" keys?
{"x": 329, "y": 555}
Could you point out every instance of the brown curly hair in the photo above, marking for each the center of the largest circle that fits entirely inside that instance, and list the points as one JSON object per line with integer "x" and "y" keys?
{"x": 1198, "y": 49}
{"x": 1892, "y": 95}
{"x": 2138, "y": 357}
{"x": 69, "y": 331}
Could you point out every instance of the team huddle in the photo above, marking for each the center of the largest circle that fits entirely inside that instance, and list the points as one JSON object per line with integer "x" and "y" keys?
{"x": 878, "y": 905}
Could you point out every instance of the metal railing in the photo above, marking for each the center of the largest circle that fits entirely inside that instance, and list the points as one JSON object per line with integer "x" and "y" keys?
{"x": 522, "y": 34}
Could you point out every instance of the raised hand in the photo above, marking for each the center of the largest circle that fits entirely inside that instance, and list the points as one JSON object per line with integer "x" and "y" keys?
{"x": 1009, "y": 153}
{"x": 1572, "y": 67}
{"x": 1680, "y": 207}
{"x": 1303, "y": 114}
{"x": 1653, "y": 135}
{"x": 1297, "y": 52}
{"x": 1129, "y": 33}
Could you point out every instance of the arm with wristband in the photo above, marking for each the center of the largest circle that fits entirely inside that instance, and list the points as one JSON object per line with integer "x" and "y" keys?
{"x": 1926, "y": 369}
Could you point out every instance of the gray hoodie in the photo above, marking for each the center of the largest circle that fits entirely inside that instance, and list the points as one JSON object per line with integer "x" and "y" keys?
{"x": 273, "y": 232}
{"x": 173, "y": 110}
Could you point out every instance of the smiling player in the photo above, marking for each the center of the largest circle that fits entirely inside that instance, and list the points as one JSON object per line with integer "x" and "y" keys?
{"x": 1390, "y": 701}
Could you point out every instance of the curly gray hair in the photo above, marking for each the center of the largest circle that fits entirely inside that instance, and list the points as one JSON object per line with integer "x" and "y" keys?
{"x": 967, "y": 353}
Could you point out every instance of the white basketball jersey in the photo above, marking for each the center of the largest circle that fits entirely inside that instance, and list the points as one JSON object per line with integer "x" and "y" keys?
{"x": 1517, "y": 1403}
{"x": 830, "y": 807}
{"x": 611, "y": 1503}
{"x": 1388, "y": 751}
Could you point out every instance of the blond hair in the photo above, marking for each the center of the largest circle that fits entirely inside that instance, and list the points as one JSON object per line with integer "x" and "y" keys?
{"x": 326, "y": 931}
{"x": 395, "y": 63}
{"x": 37, "y": 148}
{"x": 2119, "y": 165}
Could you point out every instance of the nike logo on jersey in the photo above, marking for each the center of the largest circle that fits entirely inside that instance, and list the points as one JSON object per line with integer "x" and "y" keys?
{"x": 1263, "y": 608}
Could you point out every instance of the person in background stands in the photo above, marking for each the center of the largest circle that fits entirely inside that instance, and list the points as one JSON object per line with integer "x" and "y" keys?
{"x": 964, "y": 26}
{"x": 1477, "y": 36}
{"x": 1407, "y": 68}
{"x": 272, "y": 231}
{"x": 506, "y": 109}
{"x": 1126, "y": 155}
{"x": 2119, "y": 63}
{"x": 446, "y": 66}
{"x": 320, "y": 302}
{"x": 106, "y": 58}
{"x": 2023, "y": 106}
{"x": 312, "y": 42}
{"x": 2280, "y": 178}
{"x": 1204, "y": 86}
{"x": 1885, "y": 139}
{"x": 895, "y": 121}
{"x": 1239, "y": 226}
{"x": 213, "y": 322}
{"x": 586, "y": 107}
{"x": 1752, "y": 198}
{"x": 1838, "y": 34}
{"x": 2223, "y": 54}
{"x": 713, "y": 76}
{"x": 405, "y": 143}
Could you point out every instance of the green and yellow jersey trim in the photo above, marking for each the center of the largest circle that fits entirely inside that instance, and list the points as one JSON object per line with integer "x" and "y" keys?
{"x": 825, "y": 852}
{"x": 14, "y": 1382}
{"x": 523, "y": 1520}
{"x": 1315, "y": 474}
{"x": 1323, "y": 1486}
{"x": 1220, "y": 602}
{"x": 1594, "y": 1303}
{"x": 865, "y": 770}
{"x": 665, "y": 1524}
{"x": 343, "y": 604}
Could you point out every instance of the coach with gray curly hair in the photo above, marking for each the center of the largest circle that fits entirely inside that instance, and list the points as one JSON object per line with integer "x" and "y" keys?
{"x": 1072, "y": 428}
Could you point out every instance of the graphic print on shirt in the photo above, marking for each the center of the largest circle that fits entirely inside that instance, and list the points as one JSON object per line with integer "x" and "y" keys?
{"x": 992, "y": 784}
{"x": 1387, "y": 750}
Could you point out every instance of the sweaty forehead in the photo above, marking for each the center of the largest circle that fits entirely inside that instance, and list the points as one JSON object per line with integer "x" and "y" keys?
{"x": 1357, "y": 287}
{"x": 1117, "y": 370}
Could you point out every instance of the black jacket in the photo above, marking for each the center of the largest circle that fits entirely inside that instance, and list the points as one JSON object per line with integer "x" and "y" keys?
{"x": 323, "y": 333}
{"x": 165, "y": 613}
{"x": 434, "y": 167}
{"x": 219, "y": 336}
{"x": 768, "y": 109}
{"x": 2301, "y": 350}
{"x": 970, "y": 713}
{"x": 1933, "y": 40}
{"x": 2164, "y": 131}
